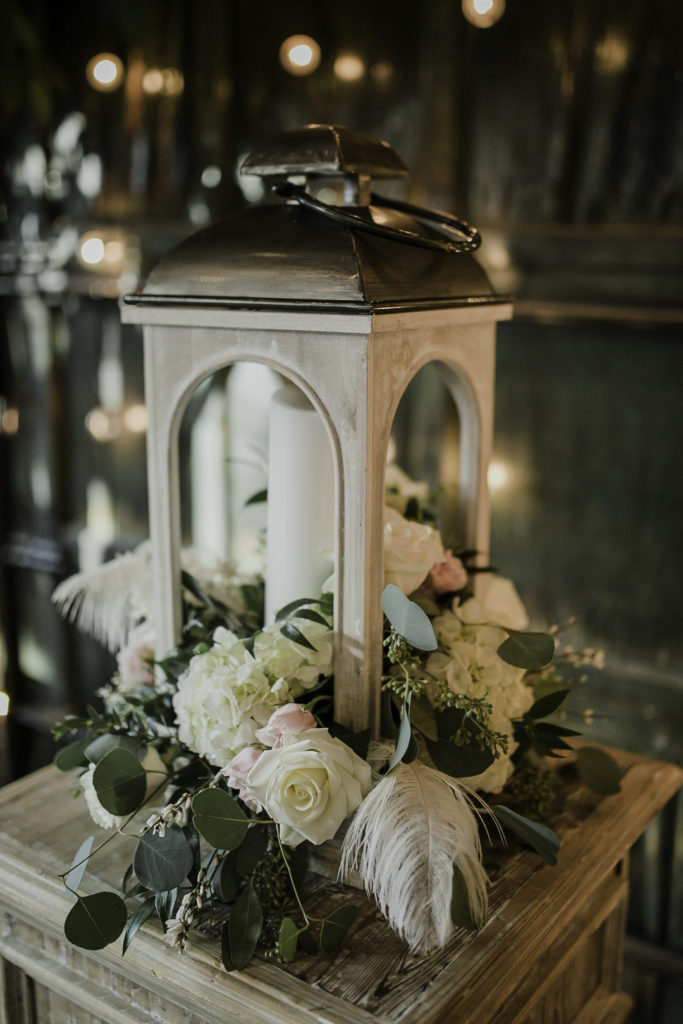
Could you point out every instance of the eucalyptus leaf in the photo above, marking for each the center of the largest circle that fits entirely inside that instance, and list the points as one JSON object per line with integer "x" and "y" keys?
{"x": 162, "y": 862}
{"x": 599, "y": 770}
{"x": 540, "y": 837}
{"x": 226, "y": 954}
{"x": 120, "y": 781}
{"x": 461, "y": 911}
{"x": 78, "y": 867}
{"x": 335, "y": 927}
{"x": 244, "y": 927}
{"x": 527, "y": 650}
{"x": 95, "y": 920}
{"x": 72, "y": 756}
{"x": 219, "y": 819}
{"x": 290, "y": 631}
{"x": 227, "y": 881}
{"x": 101, "y": 746}
{"x": 408, "y": 619}
{"x": 448, "y": 722}
{"x": 423, "y": 718}
{"x": 136, "y": 921}
{"x": 404, "y": 735}
{"x": 545, "y": 706}
{"x": 251, "y": 850}
{"x": 287, "y": 939}
{"x": 458, "y": 761}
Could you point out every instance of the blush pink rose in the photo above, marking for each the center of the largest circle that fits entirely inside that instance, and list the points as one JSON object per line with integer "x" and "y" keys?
{"x": 237, "y": 771}
{"x": 289, "y": 720}
{"x": 448, "y": 575}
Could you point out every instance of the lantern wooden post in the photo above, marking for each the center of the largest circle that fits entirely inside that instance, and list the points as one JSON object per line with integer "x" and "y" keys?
{"x": 349, "y": 319}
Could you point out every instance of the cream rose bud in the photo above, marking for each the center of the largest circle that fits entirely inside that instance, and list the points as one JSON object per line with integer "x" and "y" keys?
{"x": 410, "y": 551}
{"x": 289, "y": 720}
{"x": 310, "y": 785}
{"x": 237, "y": 772}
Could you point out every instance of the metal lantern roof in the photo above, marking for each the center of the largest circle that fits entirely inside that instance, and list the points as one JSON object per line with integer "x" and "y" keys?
{"x": 284, "y": 254}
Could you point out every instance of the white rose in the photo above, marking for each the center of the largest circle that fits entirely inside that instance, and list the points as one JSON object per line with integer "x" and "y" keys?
{"x": 310, "y": 785}
{"x": 410, "y": 551}
{"x": 223, "y": 697}
{"x": 501, "y": 602}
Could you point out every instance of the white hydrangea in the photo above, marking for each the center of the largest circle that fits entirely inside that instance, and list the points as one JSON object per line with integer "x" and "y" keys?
{"x": 468, "y": 662}
{"x": 300, "y": 667}
{"x": 223, "y": 697}
{"x": 98, "y": 813}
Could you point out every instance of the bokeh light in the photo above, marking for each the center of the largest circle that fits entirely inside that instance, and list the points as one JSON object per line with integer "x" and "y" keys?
{"x": 104, "y": 72}
{"x": 483, "y": 13}
{"x": 300, "y": 55}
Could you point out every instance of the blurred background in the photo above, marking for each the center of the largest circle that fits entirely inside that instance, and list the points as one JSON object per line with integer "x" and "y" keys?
{"x": 556, "y": 128}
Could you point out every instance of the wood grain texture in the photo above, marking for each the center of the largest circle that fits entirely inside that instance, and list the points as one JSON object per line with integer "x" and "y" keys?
{"x": 553, "y": 940}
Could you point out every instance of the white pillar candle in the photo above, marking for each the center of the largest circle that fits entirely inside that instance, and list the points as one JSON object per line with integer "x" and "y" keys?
{"x": 300, "y": 539}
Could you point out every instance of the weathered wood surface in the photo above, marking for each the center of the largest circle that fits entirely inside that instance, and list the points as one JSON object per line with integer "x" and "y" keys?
{"x": 549, "y": 953}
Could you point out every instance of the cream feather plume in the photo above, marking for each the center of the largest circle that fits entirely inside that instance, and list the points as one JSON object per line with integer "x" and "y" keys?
{"x": 108, "y": 601}
{"x": 404, "y": 840}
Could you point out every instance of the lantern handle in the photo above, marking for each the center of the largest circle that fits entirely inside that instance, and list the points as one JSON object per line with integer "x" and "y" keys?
{"x": 470, "y": 242}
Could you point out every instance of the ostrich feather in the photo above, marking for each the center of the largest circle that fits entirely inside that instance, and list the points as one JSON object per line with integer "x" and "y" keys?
{"x": 404, "y": 840}
{"x": 106, "y": 602}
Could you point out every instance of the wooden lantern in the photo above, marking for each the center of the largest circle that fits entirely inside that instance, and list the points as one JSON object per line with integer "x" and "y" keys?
{"x": 348, "y": 302}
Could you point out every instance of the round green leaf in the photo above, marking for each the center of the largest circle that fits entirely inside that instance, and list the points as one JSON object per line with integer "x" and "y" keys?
{"x": 599, "y": 770}
{"x": 408, "y": 619}
{"x": 95, "y": 920}
{"x": 72, "y": 756}
{"x": 287, "y": 939}
{"x": 527, "y": 650}
{"x": 244, "y": 928}
{"x": 97, "y": 748}
{"x": 335, "y": 927}
{"x": 162, "y": 862}
{"x": 120, "y": 781}
{"x": 219, "y": 819}
{"x": 251, "y": 851}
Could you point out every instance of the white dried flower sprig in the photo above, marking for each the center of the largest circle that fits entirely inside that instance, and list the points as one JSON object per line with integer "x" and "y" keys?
{"x": 177, "y": 813}
{"x": 178, "y": 927}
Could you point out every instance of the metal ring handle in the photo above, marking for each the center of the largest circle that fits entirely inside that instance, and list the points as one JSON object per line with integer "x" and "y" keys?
{"x": 343, "y": 215}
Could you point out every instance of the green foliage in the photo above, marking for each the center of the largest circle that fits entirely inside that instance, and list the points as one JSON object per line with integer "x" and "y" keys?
{"x": 72, "y": 756}
{"x": 164, "y": 904}
{"x": 290, "y": 631}
{"x": 136, "y": 920}
{"x": 95, "y": 921}
{"x": 227, "y": 880}
{"x": 540, "y": 837}
{"x": 459, "y": 761}
{"x": 162, "y": 862}
{"x": 544, "y": 706}
{"x": 404, "y": 736}
{"x": 100, "y": 747}
{"x": 219, "y": 818}
{"x": 408, "y": 619}
{"x": 251, "y": 850}
{"x": 287, "y": 939}
{"x": 461, "y": 911}
{"x": 335, "y": 927}
{"x": 120, "y": 782}
{"x": 244, "y": 928}
{"x": 527, "y": 650}
{"x": 599, "y": 770}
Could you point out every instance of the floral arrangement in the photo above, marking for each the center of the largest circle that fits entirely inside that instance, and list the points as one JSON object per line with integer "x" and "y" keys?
{"x": 222, "y": 763}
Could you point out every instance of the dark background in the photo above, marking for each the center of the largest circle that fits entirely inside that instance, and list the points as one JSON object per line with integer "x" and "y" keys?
{"x": 558, "y": 131}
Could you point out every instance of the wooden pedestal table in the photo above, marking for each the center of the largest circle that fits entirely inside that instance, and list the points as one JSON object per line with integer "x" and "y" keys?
{"x": 551, "y": 952}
